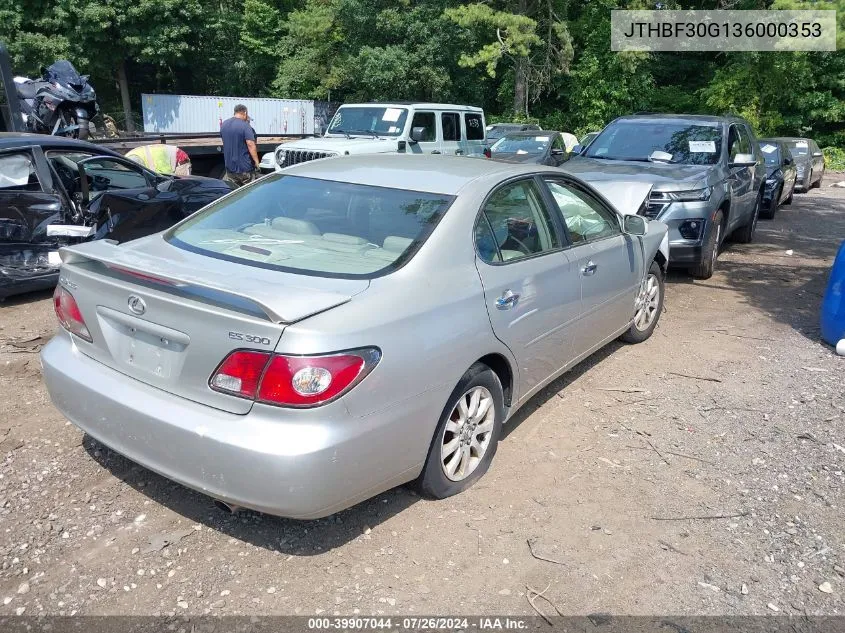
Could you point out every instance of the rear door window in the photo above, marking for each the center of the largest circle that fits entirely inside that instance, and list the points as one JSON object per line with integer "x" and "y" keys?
{"x": 315, "y": 227}
{"x": 451, "y": 122}
{"x": 515, "y": 224}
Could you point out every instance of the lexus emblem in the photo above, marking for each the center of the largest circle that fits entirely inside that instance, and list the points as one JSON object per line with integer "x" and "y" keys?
{"x": 136, "y": 304}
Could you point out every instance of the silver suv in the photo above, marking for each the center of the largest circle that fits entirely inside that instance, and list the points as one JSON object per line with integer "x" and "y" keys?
{"x": 707, "y": 175}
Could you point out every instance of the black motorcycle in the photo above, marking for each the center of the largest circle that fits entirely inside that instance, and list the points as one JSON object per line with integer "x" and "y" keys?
{"x": 61, "y": 103}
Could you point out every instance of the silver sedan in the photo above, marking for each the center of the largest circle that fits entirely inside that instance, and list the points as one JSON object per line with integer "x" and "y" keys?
{"x": 347, "y": 325}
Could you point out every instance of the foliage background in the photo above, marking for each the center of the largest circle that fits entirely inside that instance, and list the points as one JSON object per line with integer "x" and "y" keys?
{"x": 547, "y": 60}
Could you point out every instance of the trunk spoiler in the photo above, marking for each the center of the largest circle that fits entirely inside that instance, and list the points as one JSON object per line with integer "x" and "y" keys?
{"x": 246, "y": 293}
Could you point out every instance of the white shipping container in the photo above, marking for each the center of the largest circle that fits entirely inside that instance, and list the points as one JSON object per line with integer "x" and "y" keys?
{"x": 189, "y": 114}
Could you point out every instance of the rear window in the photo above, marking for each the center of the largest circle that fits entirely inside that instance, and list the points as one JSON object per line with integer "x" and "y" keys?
{"x": 314, "y": 227}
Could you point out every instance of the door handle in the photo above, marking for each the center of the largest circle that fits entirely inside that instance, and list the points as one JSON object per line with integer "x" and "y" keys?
{"x": 589, "y": 269}
{"x": 435, "y": 151}
{"x": 507, "y": 300}
{"x": 459, "y": 152}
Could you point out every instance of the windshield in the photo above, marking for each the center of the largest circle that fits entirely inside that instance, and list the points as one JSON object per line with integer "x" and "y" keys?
{"x": 521, "y": 144}
{"x": 63, "y": 72}
{"x": 771, "y": 153}
{"x": 689, "y": 144}
{"x": 798, "y": 148}
{"x": 376, "y": 120}
{"x": 314, "y": 227}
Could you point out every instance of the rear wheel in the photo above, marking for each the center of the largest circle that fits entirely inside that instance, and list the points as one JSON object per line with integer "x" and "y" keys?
{"x": 745, "y": 235}
{"x": 647, "y": 307}
{"x": 467, "y": 435}
{"x": 710, "y": 251}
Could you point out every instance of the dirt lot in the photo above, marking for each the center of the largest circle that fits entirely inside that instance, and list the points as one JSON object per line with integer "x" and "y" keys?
{"x": 734, "y": 408}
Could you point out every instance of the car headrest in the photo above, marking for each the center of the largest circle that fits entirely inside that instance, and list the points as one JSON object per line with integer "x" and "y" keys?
{"x": 297, "y": 227}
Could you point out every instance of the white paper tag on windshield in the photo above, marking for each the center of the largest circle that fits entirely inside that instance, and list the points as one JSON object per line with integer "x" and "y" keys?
{"x": 54, "y": 259}
{"x": 708, "y": 147}
{"x": 541, "y": 138}
{"x": 801, "y": 144}
{"x": 392, "y": 129}
{"x": 391, "y": 114}
{"x": 768, "y": 148}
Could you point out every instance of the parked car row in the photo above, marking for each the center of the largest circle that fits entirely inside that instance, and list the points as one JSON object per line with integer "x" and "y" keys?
{"x": 259, "y": 351}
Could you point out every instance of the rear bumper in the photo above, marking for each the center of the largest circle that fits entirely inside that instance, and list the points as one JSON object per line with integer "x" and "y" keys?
{"x": 301, "y": 464}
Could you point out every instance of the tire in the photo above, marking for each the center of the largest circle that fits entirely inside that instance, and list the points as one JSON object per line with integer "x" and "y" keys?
{"x": 769, "y": 212}
{"x": 745, "y": 235}
{"x": 710, "y": 252}
{"x": 434, "y": 481}
{"x": 647, "y": 308}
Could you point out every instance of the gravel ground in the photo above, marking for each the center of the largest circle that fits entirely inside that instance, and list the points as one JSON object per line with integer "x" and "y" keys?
{"x": 699, "y": 473}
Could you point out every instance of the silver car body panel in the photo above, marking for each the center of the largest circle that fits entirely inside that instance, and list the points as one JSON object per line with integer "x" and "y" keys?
{"x": 431, "y": 319}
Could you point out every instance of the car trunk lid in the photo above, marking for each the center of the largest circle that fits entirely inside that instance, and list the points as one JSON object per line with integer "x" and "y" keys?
{"x": 168, "y": 318}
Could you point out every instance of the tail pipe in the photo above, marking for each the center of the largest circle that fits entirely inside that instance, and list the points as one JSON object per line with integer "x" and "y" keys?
{"x": 227, "y": 507}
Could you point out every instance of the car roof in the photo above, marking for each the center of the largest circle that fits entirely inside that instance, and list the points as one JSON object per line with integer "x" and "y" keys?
{"x": 10, "y": 140}
{"x": 680, "y": 118}
{"x": 532, "y": 133}
{"x": 414, "y": 172}
{"x": 789, "y": 139}
{"x": 414, "y": 104}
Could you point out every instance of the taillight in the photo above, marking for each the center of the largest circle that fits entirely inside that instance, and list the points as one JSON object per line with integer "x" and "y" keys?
{"x": 487, "y": 153}
{"x": 240, "y": 373}
{"x": 69, "y": 315}
{"x": 293, "y": 381}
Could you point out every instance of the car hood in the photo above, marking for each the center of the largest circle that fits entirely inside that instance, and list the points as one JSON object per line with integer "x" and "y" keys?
{"x": 341, "y": 144}
{"x": 664, "y": 176}
{"x": 626, "y": 196}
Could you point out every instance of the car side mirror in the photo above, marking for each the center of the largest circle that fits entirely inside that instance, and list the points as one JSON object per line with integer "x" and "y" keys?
{"x": 787, "y": 161}
{"x": 817, "y": 154}
{"x": 743, "y": 160}
{"x": 556, "y": 151}
{"x": 417, "y": 134}
{"x": 634, "y": 225}
{"x": 578, "y": 149}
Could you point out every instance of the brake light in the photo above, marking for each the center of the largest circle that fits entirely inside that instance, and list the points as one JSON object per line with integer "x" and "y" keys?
{"x": 293, "y": 381}
{"x": 488, "y": 153}
{"x": 69, "y": 314}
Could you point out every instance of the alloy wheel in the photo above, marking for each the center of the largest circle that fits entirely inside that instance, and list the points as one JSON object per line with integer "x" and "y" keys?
{"x": 467, "y": 434}
{"x": 647, "y": 304}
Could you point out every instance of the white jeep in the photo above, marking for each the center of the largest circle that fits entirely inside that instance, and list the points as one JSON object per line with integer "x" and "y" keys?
{"x": 390, "y": 128}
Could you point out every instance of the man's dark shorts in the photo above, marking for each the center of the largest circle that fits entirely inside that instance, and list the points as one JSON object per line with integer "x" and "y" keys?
{"x": 239, "y": 180}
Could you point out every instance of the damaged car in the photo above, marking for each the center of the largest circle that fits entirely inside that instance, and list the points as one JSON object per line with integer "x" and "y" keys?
{"x": 57, "y": 192}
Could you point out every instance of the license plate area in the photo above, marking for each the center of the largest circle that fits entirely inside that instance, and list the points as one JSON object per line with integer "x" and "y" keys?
{"x": 143, "y": 348}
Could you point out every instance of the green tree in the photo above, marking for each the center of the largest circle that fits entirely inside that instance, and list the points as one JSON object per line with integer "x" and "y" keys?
{"x": 528, "y": 34}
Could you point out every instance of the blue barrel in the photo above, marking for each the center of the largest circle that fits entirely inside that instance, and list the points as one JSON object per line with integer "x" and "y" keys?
{"x": 833, "y": 304}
